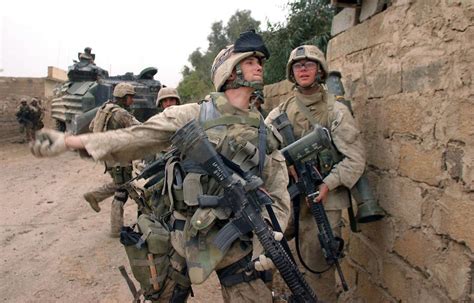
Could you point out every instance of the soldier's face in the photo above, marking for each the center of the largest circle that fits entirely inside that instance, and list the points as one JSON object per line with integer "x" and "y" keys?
{"x": 167, "y": 102}
{"x": 129, "y": 100}
{"x": 252, "y": 69}
{"x": 305, "y": 72}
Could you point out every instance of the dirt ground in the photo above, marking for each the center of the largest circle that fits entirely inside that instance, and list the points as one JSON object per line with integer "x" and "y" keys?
{"x": 54, "y": 247}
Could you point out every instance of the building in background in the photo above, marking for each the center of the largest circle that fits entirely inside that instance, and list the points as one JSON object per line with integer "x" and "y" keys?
{"x": 12, "y": 89}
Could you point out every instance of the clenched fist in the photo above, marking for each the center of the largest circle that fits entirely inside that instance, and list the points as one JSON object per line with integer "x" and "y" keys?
{"x": 48, "y": 143}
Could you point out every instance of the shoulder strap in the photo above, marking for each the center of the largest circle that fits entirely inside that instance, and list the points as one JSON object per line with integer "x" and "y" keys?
{"x": 306, "y": 112}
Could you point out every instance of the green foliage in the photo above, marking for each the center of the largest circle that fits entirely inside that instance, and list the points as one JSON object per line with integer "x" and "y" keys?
{"x": 192, "y": 88}
{"x": 308, "y": 22}
{"x": 196, "y": 81}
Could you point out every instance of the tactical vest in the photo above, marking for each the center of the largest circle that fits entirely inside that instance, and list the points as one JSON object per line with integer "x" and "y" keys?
{"x": 102, "y": 123}
{"x": 237, "y": 138}
{"x": 329, "y": 157}
{"x": 103, "y": 116}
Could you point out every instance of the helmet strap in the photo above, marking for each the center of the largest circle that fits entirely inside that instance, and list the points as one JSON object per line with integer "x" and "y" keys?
{"x": 239, "y": 81}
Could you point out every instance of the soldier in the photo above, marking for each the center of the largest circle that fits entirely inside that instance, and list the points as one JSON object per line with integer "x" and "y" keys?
{"x": 236, "y": 72}
{"x": 114, "y": 115}
{"x": 37, "y": 114}
{"x": 24, "y": 116}
{"x": 167, "y": 97}
{"x": 312, "y": 104}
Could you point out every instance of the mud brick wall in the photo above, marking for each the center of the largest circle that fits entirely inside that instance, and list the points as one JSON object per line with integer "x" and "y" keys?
{"x": 409, "y": 72}
{"x": 276, "y": 93}
{"x": 12, "y": 90}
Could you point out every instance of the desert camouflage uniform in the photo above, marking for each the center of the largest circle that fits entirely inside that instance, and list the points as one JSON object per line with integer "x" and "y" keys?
{"x": 37, "y": 115}
{"x": 116, "y": 118}
{"x": 24, "y": 116}
{"x": 152, "y": 137}
{"x": 346, "y": 137}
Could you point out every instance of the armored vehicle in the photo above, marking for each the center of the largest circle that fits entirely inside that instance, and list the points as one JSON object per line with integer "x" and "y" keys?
{"x": 89, "y": 86}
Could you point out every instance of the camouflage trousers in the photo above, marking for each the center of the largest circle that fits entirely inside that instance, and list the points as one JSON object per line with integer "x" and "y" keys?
{"x": 116, "y": 213}
{"x": 323, "y": 284}
{"x": 28, "y": 131}
{"x": 245, "y": 292}
{"x": 103, "y": 192}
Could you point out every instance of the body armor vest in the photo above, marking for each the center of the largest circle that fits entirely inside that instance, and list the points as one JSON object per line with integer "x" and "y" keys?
{"x": 236, "y": 137}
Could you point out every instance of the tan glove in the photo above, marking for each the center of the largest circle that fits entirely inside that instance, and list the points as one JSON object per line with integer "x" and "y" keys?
{"x": 48, "y": 143}
{"x": 263, "y": 262}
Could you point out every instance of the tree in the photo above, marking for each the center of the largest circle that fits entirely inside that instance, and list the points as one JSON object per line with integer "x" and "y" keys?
{"x": 308, "y": 22}
{"x": 196, "y": 82}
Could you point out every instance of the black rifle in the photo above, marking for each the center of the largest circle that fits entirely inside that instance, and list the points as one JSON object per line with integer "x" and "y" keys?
{"x": 307, "y": 181}
{"x": 245, "y": 200}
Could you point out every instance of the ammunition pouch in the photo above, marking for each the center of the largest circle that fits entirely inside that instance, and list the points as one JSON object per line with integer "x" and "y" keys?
{"x": 120, "y": 174}
{"x": 235, "y": 273}
{"x": 150, "y": 255}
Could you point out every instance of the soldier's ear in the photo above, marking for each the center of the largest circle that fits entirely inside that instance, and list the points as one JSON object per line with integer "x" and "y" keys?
{"x": 232, "y": 76}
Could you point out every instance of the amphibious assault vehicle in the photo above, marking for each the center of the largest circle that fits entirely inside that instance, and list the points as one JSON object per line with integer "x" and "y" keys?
{"x": 89, "y": 86}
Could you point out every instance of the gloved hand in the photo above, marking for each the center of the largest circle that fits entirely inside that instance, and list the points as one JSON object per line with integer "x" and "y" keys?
{"x": 48, "y": 143}
{"x": 263, "y": 262}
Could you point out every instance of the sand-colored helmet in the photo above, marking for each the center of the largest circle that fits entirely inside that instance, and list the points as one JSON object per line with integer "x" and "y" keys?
{"x": 122, "y": 89}
{"x": 167, "y": 92}
{"x": 247, "y": 45}
{"x": 23, "y": 101}
{"x": 309, "y": 52}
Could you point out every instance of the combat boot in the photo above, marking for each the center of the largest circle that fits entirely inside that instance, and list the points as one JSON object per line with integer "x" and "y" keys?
{"x": 116, "y": 218}
{"x": 89, "y": 197}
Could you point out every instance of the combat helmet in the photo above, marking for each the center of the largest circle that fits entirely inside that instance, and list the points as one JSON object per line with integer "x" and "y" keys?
{"x": 23, "y": 101}
{"x": 247, "y": 45}
{"x": 167, "y": 92}
{"x": 309, "y": 52}
{"x": 122, "y": 89}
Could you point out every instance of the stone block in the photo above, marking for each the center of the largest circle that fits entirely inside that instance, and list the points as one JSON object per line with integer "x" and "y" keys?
{"x": 453, "y": 214}
{"x": 364, "y": 253}
{"x": 381, "y": 152}
{"x": 423, "y": 76}
{"x": 381, "y": 233}
{"x": 384, "y": 82}
{"x": 372, "y": 292}
{"x": 370, "y": 8}
{"x": 456, "y": 122}
{"x": 401, "y": 198}
{"x": 418, "y": 247}
{"x": 345, "y": 19}
{"x": 420, "y": 163}
{"x": 357, "y": 38}
{"x": 451, "y": 270}
{"x": 399, "y": 279}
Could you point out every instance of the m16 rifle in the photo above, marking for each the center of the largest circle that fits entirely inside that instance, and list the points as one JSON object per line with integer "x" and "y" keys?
{"x": 307, "y": 179}
{"x": 245, "y": 199}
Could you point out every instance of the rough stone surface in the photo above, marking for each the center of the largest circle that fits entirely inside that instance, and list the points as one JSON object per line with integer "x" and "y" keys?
{"x": 408, "y": 71}
{"x": 370, "y": 8}
{"x": 453, "y": 215}
{"x": 345, "y": 19}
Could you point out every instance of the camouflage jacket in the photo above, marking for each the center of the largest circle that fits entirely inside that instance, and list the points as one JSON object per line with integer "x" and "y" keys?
{"x": 152, "y": 137}
{"x": 345, "y": 135}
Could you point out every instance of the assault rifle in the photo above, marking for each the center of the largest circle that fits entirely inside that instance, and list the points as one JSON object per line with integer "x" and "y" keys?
{"x": 306, "y": 183}
{"x": 245, "y": 199}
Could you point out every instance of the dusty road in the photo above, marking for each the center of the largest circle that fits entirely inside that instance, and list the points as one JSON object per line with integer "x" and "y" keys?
{"x": 54, "y": 248}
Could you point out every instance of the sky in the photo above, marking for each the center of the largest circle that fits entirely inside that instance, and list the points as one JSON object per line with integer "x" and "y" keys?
{"x": 126, "y": 36}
